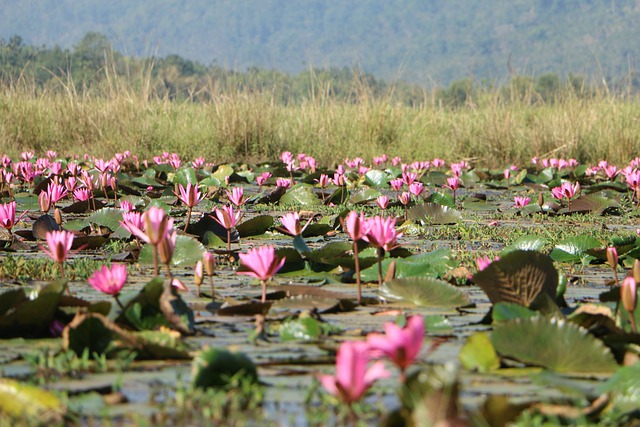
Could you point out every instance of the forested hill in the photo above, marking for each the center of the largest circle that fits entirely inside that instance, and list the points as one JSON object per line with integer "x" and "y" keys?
{"x": 426, "y": 41}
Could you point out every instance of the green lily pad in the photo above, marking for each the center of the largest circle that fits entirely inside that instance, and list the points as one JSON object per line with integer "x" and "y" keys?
{"x": 185, "y": 176}
{"x": 187, "y": 252}
{"x": 19, "y": 400}
{"x": 30, "y": 318}
{"x": 574, "y": 249}
{"x": 432, "y": 264}
{"x": 554, "y": 344}
{"x": 300, "y": 195}
{"x": 424, "y": 292}
{"x": 526, "y": 243}
{"x": 376, "y": 178}
{"x": 504, "y": 311}
{"x": 214, "y": 367}
{"x": 592, "y": 203}
{"x": 255, "y": 226}
{"x": 302, "y": 329}
{"x": 364, "y": 196}
{"x": 210, "y": 182}
{"x": 160, "y": 345}
{"x": 442, "y": 199}
{"x": 144, "y": 181}
{"x": 437, "y": 324}
{"x": 223, "y": 172}
{"x": 105, "y": 217}
{"x": 479, "y": 354}
{"x": 624, "y": 388}
{"x": 431, "y": 213}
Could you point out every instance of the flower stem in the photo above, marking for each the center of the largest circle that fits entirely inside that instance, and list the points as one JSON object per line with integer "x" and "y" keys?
{"x": 357, "y": 262}
{"x": 380, "y": 255}
{"x": 186, "y": 224}
{"x": 156, "y": 270}
{"x": 118, "y": 302}
{"x": 213, "y": 294}
{"x": 264, "y": 290}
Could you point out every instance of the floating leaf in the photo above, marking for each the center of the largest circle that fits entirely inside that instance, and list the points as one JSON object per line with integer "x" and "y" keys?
{"x": 19, "y": 400}
{"x": 431, "y": 213}
{"x": 255, "y": 226}
{"x": 302, "y": 329}
{"x": 185, "y": 176}
{"x": 504, "y": 311}
{"x": 376, "y": 178}
{"x": 479, "y": 354}
{"x": 30, "y": 318}
{"x": 574, "y": 249}
{"x": 424, "y": 292}
{"x": 518, "y": 277}
{"x": 43, "y": 225}
{"x": 526, "y": 243}
{"x": 187, "y": 252}
{"x": 215, "y": 367}
{"x": 592, "y": 203}
{"x": 554, "y": 344}
{"x": 364, "y": 196}
{"x": 300, "y": 195}
{"x": 223, "y": 172}
{"x": 433, "y": 264}
{"x": 479, "y": 205}
{"x": 624, "y": 388}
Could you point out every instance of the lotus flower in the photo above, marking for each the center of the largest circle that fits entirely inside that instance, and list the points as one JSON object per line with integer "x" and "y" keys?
{"x": 227, "y": 217}
{"x": 382, "y": 234}
{"x": 209, "y": 264}
{"x": 190, "y": 196}
{"x": 8, "y": 215}
{"x": 399, "y": 345}
{"x": 291, "y": 224}
{"x": 262, "y": 263}
{"x": 109, "y": 280}
{"x": 236, "y": 196}
{"x": 484, "y": 261}
{"x": 353, "y": 378}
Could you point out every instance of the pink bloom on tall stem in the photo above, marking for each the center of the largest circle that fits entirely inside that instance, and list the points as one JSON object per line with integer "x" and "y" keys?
{"x": 56, "y": 192}
{"x": 156, "y": 226}
{"x": 190, "y": 196}
{"x": 356, "y": 227}
{"x": 236, "y": 196}
{"x": 59, "y": 244}
{"x": 110, "y": 281}
{"x": 453, "y": 183}
{"x": 291, "y": 224}
{"x": 567, "y": 190}
{"x": 227, "y": 217}
{"x": 262, "y": 178}
{"x": 400, "y": 345}
{"x": 382, "y": 234}
{"x": 416, "y": 188}
{"x": 8, "y": 216}
{"x": 382, "y": 201}
{"x": 353, "y": 378}
{"x": 82, "y": 194}
{"x": 262, "y": 263}
{"x": 396, "y": 184}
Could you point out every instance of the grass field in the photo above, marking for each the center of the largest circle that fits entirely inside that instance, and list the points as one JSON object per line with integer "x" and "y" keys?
{"x": 254, "y": 126}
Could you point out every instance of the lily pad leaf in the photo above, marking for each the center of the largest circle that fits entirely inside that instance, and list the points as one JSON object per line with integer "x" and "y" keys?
{"x": 303, "y": 329}
{"x": 185, "y": 176}
{"x": 433, "y": 264}
{"x": 255, "y": 226}
{"x": 19, "y": 400}
{"x": 624, "y": 388}
{"x": 431, "y": 213}
{"x": 424, "y": 292}
{"x": 504, "y": 311}
{"x": 592, "y": 203}
{"x": 106, "y": 217}
{"x": 364, "y": 196}
{"x": 187, "y": 252}
{"x": 214, "y": 367}
{"x": 518, "y": 277}
{"x": 479, "y": 354}
{"x": 442, "y": 199}
{"x": 376, "y": 178}
{"x": 554, "y": 344}
{"x": 300, "y": 195}
{"x": 30, "y": 318}
{"x": 526, "y": 243}
{"x": 574, "y": 249}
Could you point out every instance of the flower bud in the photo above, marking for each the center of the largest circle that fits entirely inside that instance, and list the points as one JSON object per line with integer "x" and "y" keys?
{"x": 612, "y": 257}
{"x": 209, "y": 263}
{"x": 636, "y": 270}
{"x": 628, "y": 294}
{"x": 198, "y": 273}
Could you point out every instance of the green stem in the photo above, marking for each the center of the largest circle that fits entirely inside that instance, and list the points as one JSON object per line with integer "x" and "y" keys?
{"x": 186, "y": 224}
{"x": 264, "y": 290}
{"x": 118, "y": 302}
{"x": 357, "y": 262}
{"x": 380, "y": 255}
{"x": 228, "y": 240}
{"x": 156, "y": 269}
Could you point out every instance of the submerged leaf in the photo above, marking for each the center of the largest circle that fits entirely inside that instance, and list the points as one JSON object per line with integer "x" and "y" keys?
{"x": 554, "y": 344}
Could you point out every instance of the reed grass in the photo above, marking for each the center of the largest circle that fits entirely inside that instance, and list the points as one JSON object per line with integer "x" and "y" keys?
{"x": 125, "y": 114}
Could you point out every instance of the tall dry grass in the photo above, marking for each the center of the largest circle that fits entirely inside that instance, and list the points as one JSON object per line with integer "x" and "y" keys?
{"x": 127, "y": 114}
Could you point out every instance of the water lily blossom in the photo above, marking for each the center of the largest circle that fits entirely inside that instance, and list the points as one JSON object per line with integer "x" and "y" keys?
{"x": 190, "y": 196}
{"x": 228, "y": 217}
{"x": 291, "y": 224}
{"x": 566, "y": 189}
{"x": 382, "y": 234}
{"x": 353, "y": 377}
{"x": 157, "y": 225}
{"x": 521, "y": 202}
{"x": 236, "y": 196}
{"x": 382, "y": 201}
{"x": 400, "y": 345}
{"x": 261, "y": 263}
{"x": 8, "y": 216}
{"x": 356, "y": 227}
{"x": 59, "y": 244}
{"x": 109, "y": 281}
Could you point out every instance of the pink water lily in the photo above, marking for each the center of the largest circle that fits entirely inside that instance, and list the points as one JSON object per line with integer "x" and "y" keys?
{"x": 109, "y": 281}
{"x": 190, "y": 196}
{"x": 484, "y": 262}
{"x": 236, "y": 196}
{"x": 228, "y": 217}
{"x": 8, "y": 216}
{"x": 262, "y": 263}
{"x": 566, "y": 189}
{"x": 382, "y": 201}
{"x": 353, "y": 378}
{"x": 400, "y": 345}
{"x": 291, "y": 224}
{"x": 59, "y": 244}
{"x": 357, "y": 228}
{"x": 157, "y": 224}
{"x": 382, "y": 234}
{"x": 521, "y": 202}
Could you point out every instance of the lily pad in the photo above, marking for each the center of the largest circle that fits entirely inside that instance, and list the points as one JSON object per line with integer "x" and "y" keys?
{"x": 574, "y": 249}
{"x": 255, "y": 226}
{"x": 364, "y": 196}
{"x": 431, "y": 213}
{"x": 479, "y": 354}
{"x": 187, "y": 252}
{"x": 302, "y": 329}
{"x": 526, "y": 243}
{"x": 433, "y": 264}
{"x": 300, "y": 195}
{"x": 185, "y": 176}
{"x": 424, "y": 292}
{"x": 518, "y": 277}
{"x": 504, "y": 311}
{"x": 554, "y": 344}
{"x": 376, "y": 178}
{"x": 215, "y": 367}
{"x": 592, "y": 203}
